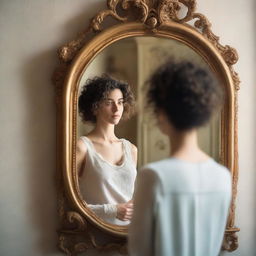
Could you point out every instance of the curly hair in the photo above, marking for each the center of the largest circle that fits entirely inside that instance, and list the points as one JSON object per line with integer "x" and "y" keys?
{"x": 188, "y": 94}
{"x": 97, "y": 89}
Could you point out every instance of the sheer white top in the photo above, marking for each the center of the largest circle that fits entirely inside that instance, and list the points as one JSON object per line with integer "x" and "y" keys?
{"x": 180, "y": 209}
{"x": 103, "y": 185}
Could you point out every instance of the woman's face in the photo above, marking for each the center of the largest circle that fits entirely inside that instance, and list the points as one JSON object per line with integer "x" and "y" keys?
{"x": 111, "y": 109}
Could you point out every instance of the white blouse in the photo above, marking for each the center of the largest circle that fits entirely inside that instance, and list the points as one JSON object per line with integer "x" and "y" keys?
{"x": 180, "y": 209}
{"x": 104, "y": 185}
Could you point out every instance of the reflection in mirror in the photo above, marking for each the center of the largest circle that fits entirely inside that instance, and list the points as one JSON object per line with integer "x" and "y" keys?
{"x": 133, "y": 60}
{"x": 106, "y": 164}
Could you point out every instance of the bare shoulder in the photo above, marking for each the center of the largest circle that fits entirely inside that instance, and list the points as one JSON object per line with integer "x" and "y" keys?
{"x": 81, "y": 147}
{"x": 134, "y": 149}
{"x": 134, "y": 152}
{"x": 81, "y": 151}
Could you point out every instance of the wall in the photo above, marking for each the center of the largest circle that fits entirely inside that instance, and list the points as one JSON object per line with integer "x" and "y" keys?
{"x": 236, "y": 27}
{"x": 31, "y": 31}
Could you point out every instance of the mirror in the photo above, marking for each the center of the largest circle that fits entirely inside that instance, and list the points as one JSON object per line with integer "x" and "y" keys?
{"x": 150, "y": 30}
{"x": 133, "y": 60}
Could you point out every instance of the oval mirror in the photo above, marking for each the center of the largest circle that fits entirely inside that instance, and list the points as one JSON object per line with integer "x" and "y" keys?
{"x": 146, "y": 34}
{"x": 133, "y": 60}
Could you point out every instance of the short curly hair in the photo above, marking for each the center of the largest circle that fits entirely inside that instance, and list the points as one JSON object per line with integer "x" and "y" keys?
{"x": 187, "y": 93}
{"x": 97, "y": 89}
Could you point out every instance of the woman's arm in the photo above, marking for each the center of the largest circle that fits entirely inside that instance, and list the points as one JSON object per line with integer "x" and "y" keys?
{"x": 122, "y": 212}
{"x": 141, "y": 230}
{"x": 81, "y": 151}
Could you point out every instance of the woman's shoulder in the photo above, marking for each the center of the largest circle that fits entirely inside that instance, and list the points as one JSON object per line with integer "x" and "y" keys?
{"x": 81, "y": 145}
{"x": 128, "y": 142}
{"x": 158, "y": 165}
{"x": 153, "y": 169}
{"x": 222, "y": 171}
{"x": 132, "y": 148}
{"x": 130, "y": 145}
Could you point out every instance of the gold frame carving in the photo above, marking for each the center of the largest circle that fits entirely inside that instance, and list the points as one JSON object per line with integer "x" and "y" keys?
{"x": 157, "y": 18}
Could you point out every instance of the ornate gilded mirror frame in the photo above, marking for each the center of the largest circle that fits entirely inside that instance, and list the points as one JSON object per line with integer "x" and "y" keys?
{"x": 161, "y": 18}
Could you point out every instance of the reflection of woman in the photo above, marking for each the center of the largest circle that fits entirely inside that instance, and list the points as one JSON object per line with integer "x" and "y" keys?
{"x": 188, "y": 194}
{"x": 106, "y": 165}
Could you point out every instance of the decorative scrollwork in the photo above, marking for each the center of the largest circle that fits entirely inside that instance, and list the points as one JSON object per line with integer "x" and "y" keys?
{"x": 73, "y": 243}
{"x": 76, "y": 235}
{"x": 169, "y": 10}
{"x": 230, "y": 242}
{"x": 126, "y": 5}
{"x": 81, "y": 247}
{"x": 68, "y": 51}
{"x": 152, "y": 14}
{"x": 203, "y": 24}
{"x": 77, "y": 219}
{"x": 228, "y": 53}
{"x": 140, "y": 5}
{"x": 62, "y": 245}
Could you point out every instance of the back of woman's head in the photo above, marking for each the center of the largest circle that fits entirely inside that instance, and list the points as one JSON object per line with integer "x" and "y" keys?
{"x": 188, "y": 94}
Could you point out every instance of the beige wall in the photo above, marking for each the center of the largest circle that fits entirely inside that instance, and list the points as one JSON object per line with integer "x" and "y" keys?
{"x": 31, "y": 31}
{"x": 236, "y": 26}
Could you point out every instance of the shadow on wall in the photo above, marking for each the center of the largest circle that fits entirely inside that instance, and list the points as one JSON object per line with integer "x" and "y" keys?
{"x": 41, "y": 134}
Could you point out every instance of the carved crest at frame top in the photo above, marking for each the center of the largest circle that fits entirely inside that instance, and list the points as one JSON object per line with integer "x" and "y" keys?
{"x": 152, "y": 13}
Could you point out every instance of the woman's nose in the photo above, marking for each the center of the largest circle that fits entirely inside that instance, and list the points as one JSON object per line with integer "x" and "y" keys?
{"x": 114, "y": 107}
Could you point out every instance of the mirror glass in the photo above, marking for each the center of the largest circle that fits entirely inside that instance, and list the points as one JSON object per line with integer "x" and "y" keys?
{"x": 133, "y": 60}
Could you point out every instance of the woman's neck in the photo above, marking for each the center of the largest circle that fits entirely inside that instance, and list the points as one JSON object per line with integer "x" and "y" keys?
{"x": 184, "y": 145}
{"x": 105, "y": 132}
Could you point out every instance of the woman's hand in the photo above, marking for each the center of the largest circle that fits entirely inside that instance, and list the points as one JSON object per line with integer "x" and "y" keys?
{"x": 124, "y": 211}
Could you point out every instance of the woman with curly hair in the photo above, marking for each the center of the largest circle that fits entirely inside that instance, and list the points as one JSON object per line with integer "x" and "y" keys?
{"x": 187, "y": 194}
{"x": 106, "y": 164}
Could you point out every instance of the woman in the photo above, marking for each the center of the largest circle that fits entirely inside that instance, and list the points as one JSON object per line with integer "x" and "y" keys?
{"x": 106, "y": 164}
{"x": 187, "y": 198}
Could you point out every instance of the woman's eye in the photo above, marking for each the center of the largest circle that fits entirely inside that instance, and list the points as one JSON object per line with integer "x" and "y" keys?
{"x": 120, "y": 102}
